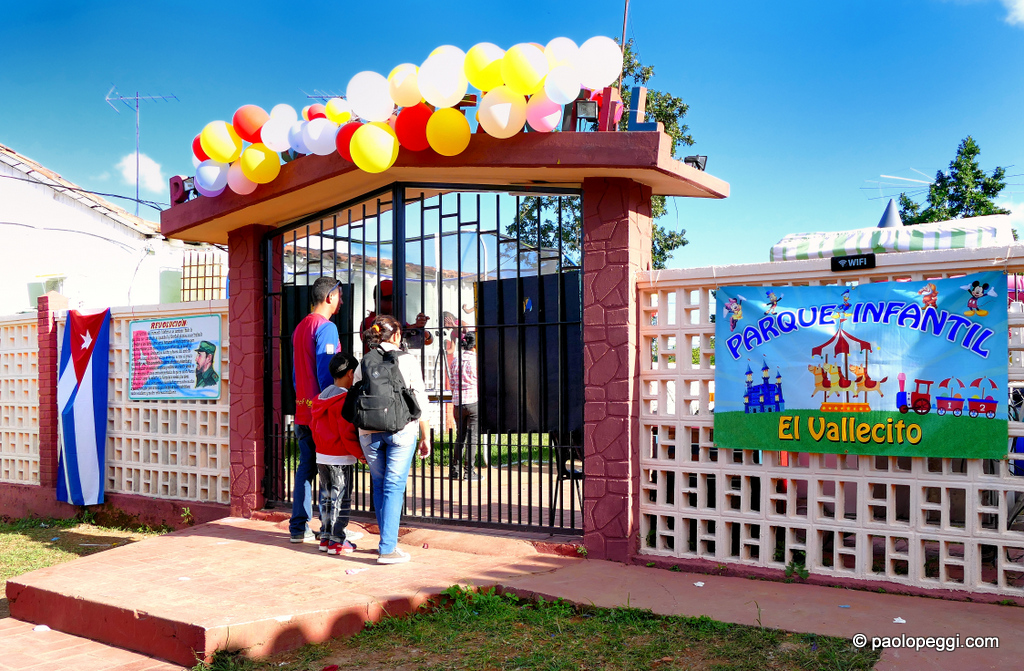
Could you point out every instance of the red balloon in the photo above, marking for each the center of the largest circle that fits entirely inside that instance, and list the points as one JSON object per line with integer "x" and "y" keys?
{"x": 197, "y": 149}
{"x": 344, "y": 138}
{"x": 411, "y": 127}
{"x": 317, "y": 111}
{"x": 248, "y": 121}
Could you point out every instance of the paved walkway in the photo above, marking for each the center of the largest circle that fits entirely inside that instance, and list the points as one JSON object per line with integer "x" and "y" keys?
{"x": 23, "y": 648}
{"x": 259, "y": 552}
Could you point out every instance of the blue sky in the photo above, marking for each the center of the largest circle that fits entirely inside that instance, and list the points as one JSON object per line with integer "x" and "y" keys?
{"x": 797, "y": 104}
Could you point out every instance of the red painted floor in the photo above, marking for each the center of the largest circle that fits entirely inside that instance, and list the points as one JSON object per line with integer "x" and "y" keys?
{"x": 22, "y": 649}
{"x": 241, "y": 584}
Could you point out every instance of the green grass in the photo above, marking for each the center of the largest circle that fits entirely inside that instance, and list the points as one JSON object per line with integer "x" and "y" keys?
{"x": 506, "y": 449}
{"x": 489, "y": 631}
{"x": 28, "y": 544}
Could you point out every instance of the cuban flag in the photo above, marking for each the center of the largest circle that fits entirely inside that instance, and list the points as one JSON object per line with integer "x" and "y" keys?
{"x": 82, "y": 404}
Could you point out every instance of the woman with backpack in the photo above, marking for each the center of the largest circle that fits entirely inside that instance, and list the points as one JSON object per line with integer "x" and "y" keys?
{"x": 389, "y": 388}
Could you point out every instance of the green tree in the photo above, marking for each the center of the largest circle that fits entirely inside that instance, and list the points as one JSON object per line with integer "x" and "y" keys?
{"x": 538, "y": 222}
{"x": 964, "y": 191}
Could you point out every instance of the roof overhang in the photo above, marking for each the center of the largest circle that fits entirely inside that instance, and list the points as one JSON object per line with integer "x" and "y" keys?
{"x": 315, "y": 183}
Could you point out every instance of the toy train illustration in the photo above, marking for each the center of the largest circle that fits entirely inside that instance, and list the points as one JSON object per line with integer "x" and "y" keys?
{"x": 920, "y": 400}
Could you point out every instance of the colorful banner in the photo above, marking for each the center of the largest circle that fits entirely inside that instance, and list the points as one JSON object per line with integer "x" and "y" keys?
{"x": 82, "y": 404}
{"x": 889, "y": 368}
{"x": 176, "y": 358}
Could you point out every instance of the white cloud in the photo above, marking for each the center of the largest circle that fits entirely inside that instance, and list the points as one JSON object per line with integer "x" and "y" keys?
{"x": 151, "y": 176}
{"x": 1016, "y": 213}
{"x": 1014, "y": 11}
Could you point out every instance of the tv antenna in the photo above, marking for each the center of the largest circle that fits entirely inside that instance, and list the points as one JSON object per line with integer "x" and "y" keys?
{"x": 319, "y": 94}
{"x": 133, "y": 103}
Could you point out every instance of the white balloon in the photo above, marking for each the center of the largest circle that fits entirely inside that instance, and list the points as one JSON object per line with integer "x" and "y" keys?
{"x": 318, "y": 135}
{"x": 448, "y": 49}
{"x": 502, "y": 112}
{"x": 195, "y": 161}
{"x": 369, "y": 96}
{"x": 286, "y": 112}
{"x": 275, "y": 133}
{"x": 238, "y": 182}
{"x": 295, "y": 141}
{"x": 403, "y": 84}
{"x": 442, "y": 77}
{"x": 212, "y": 176}
{"x": 562, "y": 84}
{"x": 560, "y": 51}
{"x": 598, "y": 62}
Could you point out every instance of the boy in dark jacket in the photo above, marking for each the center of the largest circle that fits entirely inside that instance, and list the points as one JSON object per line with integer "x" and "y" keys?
{"x": 337, "y": 449}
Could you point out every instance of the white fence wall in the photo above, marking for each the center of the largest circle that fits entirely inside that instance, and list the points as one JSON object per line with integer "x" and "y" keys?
{"x": 19, "y": 400}
{"x": 165, "y": 449}
{"x": 922, "y": 522}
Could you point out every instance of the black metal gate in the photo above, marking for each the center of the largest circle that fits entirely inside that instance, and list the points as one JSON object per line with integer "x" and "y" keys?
{"x": 504, "y": 265}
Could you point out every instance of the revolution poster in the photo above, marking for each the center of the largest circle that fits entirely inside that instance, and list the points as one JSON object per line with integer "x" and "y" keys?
{"x": 913, "y": 368}
{"x": 176, "y": 358}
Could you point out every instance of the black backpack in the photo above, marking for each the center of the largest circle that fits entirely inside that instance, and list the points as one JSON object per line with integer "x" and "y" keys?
{"x": 381, "y": 401}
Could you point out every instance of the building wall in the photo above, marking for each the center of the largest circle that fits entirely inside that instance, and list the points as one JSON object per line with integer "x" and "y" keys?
{"x": 87, "y": 256}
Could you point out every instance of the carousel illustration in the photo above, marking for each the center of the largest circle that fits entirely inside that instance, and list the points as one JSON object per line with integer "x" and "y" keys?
{"x": 844, "y": 374}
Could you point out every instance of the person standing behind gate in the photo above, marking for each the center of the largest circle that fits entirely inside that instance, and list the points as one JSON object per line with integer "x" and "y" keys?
{"x": 461, "y": 351}
{"x": 417, "y": 334}
{"x": 314, "y": 342}
{"x": 389, "y": 453}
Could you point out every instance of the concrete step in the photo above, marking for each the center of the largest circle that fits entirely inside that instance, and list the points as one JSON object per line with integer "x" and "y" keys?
{"x": 240, "y": 584}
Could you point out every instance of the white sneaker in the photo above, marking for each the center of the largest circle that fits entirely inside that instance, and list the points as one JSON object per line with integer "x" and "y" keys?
{"x": 352, "y": 535}
{"x": 396, "y": 557}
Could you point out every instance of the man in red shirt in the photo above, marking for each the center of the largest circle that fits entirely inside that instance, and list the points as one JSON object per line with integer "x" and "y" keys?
{"x": 415, "y": 335}
{"x": 314, "y": 342}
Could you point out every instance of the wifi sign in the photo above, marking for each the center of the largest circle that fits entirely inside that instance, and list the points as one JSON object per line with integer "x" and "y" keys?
{"x": 858, "y": 262}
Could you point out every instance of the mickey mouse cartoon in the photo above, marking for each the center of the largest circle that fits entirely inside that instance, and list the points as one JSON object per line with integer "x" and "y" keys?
{"x": 977, "y": 290}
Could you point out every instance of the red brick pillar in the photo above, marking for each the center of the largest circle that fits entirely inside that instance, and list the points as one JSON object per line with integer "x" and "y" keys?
{"x": 616, "y": 245}
{"x": 245, "y": 368}
{"x": 49, "y": 306}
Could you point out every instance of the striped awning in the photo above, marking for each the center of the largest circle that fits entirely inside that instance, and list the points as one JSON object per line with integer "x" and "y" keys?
{"x": 989, "y": 231}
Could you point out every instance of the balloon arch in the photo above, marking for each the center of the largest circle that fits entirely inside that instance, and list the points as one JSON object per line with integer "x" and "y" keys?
{"x": 415, "y": 107}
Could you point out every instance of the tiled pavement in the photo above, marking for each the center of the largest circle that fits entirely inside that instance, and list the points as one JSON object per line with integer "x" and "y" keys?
{"x": 240, "y": 583}
{"x": 22, "y": 649}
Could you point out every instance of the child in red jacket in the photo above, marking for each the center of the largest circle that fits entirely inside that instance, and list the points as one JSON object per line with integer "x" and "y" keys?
{"x": 337, "y": 449}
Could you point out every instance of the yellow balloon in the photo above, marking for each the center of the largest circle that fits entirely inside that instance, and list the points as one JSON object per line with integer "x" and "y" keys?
{"x": 523, "y": 68}
{"x": 220, "y": 141}
{"x": 483, "y": 66}
{"x": 259, "y": 164}
{"x": 448, "y": 132}
{"x": 374, "y": 147}
{"x": 338, "y": 110}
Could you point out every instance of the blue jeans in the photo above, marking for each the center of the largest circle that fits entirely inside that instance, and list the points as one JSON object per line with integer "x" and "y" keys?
{"x": 335, "y": 500}
{"x": 302, "y": 492}
{"x": 389, "y": 456}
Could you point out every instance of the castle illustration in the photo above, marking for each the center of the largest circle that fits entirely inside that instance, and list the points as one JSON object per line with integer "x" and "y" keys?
{"x": 764, "y": 397}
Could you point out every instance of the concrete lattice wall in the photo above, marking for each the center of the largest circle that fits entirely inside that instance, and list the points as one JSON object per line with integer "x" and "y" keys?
{"x": 925, "y": 523}
{"x": 19, "y": 400}
{"x": 158, "y": 448}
